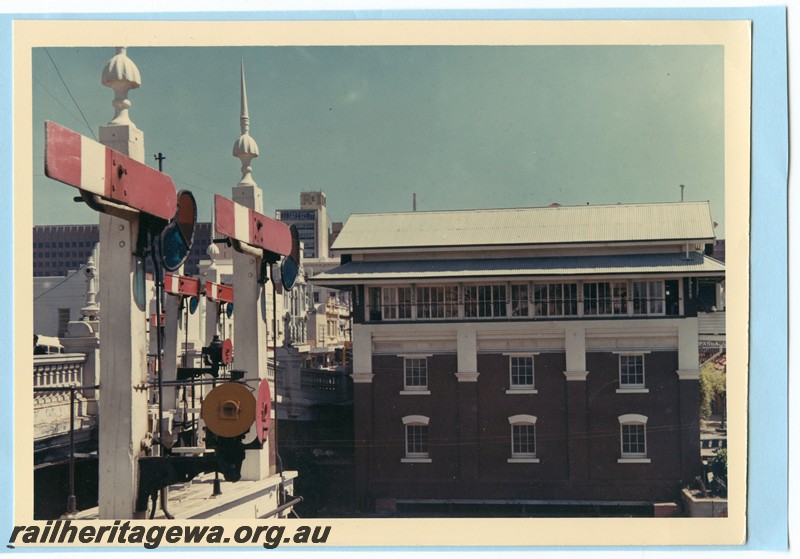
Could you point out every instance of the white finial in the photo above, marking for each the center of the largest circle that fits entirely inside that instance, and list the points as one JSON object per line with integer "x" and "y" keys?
{"x": 245, "y": 147}
{"x": 91, "y": 310}
{"x": 121, "y": 75}
{"x": 213, "y": 253}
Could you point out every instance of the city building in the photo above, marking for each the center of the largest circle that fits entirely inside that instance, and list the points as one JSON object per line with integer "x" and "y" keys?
{"x": 527, "y": 357}
{"x": 60, "y": 249}
{"x": 311, "y": 221}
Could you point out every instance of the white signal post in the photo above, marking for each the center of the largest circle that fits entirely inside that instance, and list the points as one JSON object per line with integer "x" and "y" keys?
{"x": 250, "y": 325}
{"x": 123, "y": 353}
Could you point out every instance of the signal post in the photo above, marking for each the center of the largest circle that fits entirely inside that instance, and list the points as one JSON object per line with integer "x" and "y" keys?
{"x": 123, "y": 352}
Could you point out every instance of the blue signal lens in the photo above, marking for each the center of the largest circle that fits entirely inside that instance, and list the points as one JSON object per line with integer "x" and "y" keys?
{"x": 173, "y": 248}
{"x": 289, "y": 271}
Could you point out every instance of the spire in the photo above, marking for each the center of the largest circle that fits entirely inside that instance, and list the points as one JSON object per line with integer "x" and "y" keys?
{"x": 245, "y": 118}
{"x": 121, "y": 75}
{"x": 245, "y": 147}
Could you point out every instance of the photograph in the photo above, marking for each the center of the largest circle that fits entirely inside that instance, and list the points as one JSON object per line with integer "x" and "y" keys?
{"x": 295, "y": 278}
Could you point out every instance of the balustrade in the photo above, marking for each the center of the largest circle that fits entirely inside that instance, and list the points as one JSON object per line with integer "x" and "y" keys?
{"x": 51, "y": 372}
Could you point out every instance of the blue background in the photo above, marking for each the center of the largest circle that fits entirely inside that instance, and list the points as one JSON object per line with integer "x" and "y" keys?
{"x": 767, "y": 519}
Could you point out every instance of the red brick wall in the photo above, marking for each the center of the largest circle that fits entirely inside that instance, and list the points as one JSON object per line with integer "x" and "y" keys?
{"x": 460, "y": 470}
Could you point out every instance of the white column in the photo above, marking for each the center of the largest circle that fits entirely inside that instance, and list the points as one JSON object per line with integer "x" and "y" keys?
{"x": 575, "y": 344}
{"x": 362, "y": 353}
{"x": 467, "y": 347}
{"x": 123, "y": 354}
{"x": 688, "y": 350}
{"x": 251, "y": 316}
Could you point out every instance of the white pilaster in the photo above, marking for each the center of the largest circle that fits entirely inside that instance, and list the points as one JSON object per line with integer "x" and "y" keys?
{"x": 575, "y": 345}
{"x": 362, "y": 352}
{"x": 467, "y": 348}
{"x": 688, "y": 348}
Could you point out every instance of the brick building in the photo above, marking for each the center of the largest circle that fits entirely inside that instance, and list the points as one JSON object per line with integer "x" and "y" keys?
{"x": 527, "y": 356}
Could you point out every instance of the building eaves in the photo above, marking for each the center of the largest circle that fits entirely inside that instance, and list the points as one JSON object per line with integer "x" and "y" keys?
{"x": 566, "y": 266}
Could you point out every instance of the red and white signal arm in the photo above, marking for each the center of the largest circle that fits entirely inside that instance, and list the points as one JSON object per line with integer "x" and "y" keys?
{"x": 245, "y": 225}
{"x": 175, "y": 284}
{"x": 97, "y": 169}
{"x": 263, "y": 410}
{"x": 218, "y": 292}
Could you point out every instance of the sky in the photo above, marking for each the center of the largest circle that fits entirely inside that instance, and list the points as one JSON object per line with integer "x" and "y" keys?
{"x": 461, "y": 126}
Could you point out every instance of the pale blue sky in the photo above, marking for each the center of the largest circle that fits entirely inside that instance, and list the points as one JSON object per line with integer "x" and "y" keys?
{"x": 463, "y": 127}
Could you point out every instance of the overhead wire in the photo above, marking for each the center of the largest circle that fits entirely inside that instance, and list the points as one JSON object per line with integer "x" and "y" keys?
{"x": 88, "y": 126}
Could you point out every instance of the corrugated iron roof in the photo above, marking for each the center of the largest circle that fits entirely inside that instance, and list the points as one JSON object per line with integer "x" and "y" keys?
{"x": 523, "y": 267}
{"x": 522, "y": 226}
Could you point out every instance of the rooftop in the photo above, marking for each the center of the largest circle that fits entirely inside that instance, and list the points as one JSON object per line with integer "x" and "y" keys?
{"x": 673, "y": 221}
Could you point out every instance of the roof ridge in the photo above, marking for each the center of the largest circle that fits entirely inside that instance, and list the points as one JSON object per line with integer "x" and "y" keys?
{"x": 525, "y": 208}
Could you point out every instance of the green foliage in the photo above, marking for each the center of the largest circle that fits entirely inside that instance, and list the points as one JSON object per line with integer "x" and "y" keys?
{"x": 719, "y": 464}
{"x": 719, "y": 467}
{"x": 712, "y": 383}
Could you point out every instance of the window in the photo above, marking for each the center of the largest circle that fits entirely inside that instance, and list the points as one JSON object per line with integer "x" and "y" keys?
{"x": 555, "y": 299}
{"x": 523, "y": 439}
{"x": 633, "y": 438}
{"x": 416, "y": 433}
{"x": 63, "y": 322}
{"x": 484, "y": 301}
{"x": 631, "y": 371}
{"x": 648, "y": 297}
{"x": 396, "y": 303}
{"x": 519, "y": 300}
{"x": 415, "y": 374}
{"x": 437, "y": 302}
{"x": 605, "y": 298}
{"x": 521, "y": 373}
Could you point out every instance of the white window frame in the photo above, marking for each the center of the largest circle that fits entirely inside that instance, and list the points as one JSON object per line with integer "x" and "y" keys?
{"x": 610, "y": 299}
{"x": 415, "y": 457}
{"x": 514, "y": 388}
{"x": 517, "y": 457}
{"x": 550, "y": 298}
{"x": 651, "y": 300}
{"x": 628, "y": 420}
{"x": 436, "y": 302}
{"x": 520, "y": 305}
{"x": 392, "y": 308}
{"x": 415, "y": 390}
{"x": 499, "y": 303}
{"x": 632, "y": 388}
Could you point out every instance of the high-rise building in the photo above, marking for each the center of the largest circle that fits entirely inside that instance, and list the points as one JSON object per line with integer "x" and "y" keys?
{"x": 311, "y": 221}
{"x": 58, "y": 249}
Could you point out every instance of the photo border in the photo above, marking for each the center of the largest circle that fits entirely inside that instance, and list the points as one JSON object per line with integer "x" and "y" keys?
{"x": 768, "y": 231}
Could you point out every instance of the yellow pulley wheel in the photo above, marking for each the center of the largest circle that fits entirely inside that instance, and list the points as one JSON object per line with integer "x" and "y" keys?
{"x": 229, "y": 410}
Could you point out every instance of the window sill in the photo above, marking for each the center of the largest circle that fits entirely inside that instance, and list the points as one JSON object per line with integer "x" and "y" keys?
{"x": 415, "y": 392}
{"x": 522, "y": 391}
{"x": 523, "y": 460}
{"x": 633, "y": 461}
{"x": 416, "y": 460}
{"x": 633, "y": 390}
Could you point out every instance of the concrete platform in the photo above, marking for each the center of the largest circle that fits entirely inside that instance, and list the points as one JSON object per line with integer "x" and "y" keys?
{"x": 240, "y": 500}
